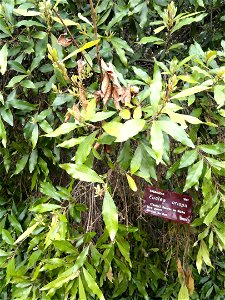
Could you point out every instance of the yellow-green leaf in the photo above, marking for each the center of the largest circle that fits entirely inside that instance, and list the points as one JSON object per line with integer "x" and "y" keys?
{"x": 131, "y": 183}
{"x": 191, "y": 91}
{"x": 84, "y": 47}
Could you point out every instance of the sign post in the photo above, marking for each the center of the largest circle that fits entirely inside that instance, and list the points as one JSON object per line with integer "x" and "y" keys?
{"x": 168, "y": 205}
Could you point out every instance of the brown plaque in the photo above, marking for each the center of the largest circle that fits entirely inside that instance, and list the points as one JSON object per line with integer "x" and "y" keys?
{"x": 168, "y": 205}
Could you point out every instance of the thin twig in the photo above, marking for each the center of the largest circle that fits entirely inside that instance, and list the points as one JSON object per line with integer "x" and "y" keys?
{"x": 93, "y": 16}
{"x": 73, "y": 40}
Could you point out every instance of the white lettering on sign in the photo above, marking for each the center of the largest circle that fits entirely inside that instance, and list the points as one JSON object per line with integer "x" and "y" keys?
{"x": 156, "y": 192}
{"x": 157, "y": 198}
{"x": 179, "y": 204}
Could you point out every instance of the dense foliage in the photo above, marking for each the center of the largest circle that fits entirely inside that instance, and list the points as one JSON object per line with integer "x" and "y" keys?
{"x": 97, "y": 100}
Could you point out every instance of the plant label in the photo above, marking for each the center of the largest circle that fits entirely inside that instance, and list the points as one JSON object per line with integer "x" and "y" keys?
{"x": 168, "y": 205}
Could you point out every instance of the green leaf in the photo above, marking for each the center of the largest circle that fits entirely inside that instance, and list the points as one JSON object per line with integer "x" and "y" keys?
{"x": 219, "y": 95}
{"x": 33, "y": 160}
{"x": 84, "y": 148}
{"x": 110, "y": 215}
{"x": 183, "y": 293}
{"x": 131, "y": 183}
{"x": 124, "y": 131}
{"x": 188, "y": 158}
{"x": 71, "y": 142}
{"x": 194, "y": 173}
{"x": 15, "y": 79}
{"x": 82, "y": 294}
{"x": 26, "y": 13}
{"x": 190, "y": 91}
{"x": 3, "y": 59}
{"x": 205, "y": 254}
{"x": 214, "y": 149}
{"x": 45, "y": 207}
{"x": 93, "y": 285}
{"x": 62, "y": 129}
{"x": 20, "y": 165}
{"x": 151, "y": 39}
{"x": 84, "y": 47}
{"x": 142, "y": 74}
{"x": 117, "y": 18}
{"x": 103, "y": 115}
{"x": 125, "y": 114}
{"x": 65, "y": 246}
{"x": 187, "y": 21}
{"x": 124, "y": 248}
{"x": 34, "y": 258}
{"x": 7, "y": 116}
{"x": 6, "y": 236}
{"x": 157, "y": 141}
{"x": 27, "y": 233}
{"x": 211, "y": 215}
{"x": 70, "y": 273}
{"x": 81, "y": 172}
{"x": 28, "y": 84}
{"x": 136, "y": 160}
{"x": 34, "y": 136}
{"x": 156, "y": 88}
{"x": 3, "y": 133}
{"x": 67, "y": 22}
{"x": 15, "y": 223}
{"x": 22, "y": 105}
{"x": 177, "y": 132}
{"x": 48, "y": 189}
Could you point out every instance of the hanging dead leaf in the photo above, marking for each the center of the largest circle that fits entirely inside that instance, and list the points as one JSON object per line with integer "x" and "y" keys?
{"x": 190, "y": 281}
{"x": 107, "y": 94}
{"x": 116, "y": 93}
{"x": 64, "y": 41}
{"x": 76, "y": 113}
{"x": 67, "y": 117}
{"x": 80, "y": 66}
{"x": 127, "y": 95}
{"x": 105, "y": 83}
{"x": 180, "y": 272}
{"x": 110, "y": 275}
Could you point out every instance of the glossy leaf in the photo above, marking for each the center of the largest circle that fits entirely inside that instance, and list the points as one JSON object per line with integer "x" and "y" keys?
{"x": 110, "y": 215}
{"x": 81, "y": 172}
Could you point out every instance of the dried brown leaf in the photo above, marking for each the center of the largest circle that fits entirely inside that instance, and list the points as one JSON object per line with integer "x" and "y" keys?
{"x": 105, "y": 83}
{"x": 67, "y": 117}
{"x": 190, "y": 281}
{"x": 80, "y": 66}
{"x": 64, "y": 41}
{"x": 180, "y": 272}
{"x": 110, "y": 275}
{"x": 116, "y": 93}
{"x": 107, "y": 94}
{"x": 76, "y": 113}
{"x": 127, "y": 95}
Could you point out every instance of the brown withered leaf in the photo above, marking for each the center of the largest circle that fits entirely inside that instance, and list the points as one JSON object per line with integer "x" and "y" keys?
{"x": 190, "y": 281}
{"x": 64, "y": 41}
{"x": 80, "y": 66}
{"x": 105, "y": 83}
{"x": 110, "y": 275}
{"x": 108, "y": 68}
{"x": 75, "y": 112}
{"x": 180, "y": 271}
{"x": 127, "y": 95}
{"x": 67, "y": 117}
{"x": 116, "y": 93}
{"x": 107, "y": 94}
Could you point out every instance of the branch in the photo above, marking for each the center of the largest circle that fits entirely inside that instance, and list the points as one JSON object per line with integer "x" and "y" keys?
{"x": 70, "y": 34}
{"x": 93, "y": 16}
